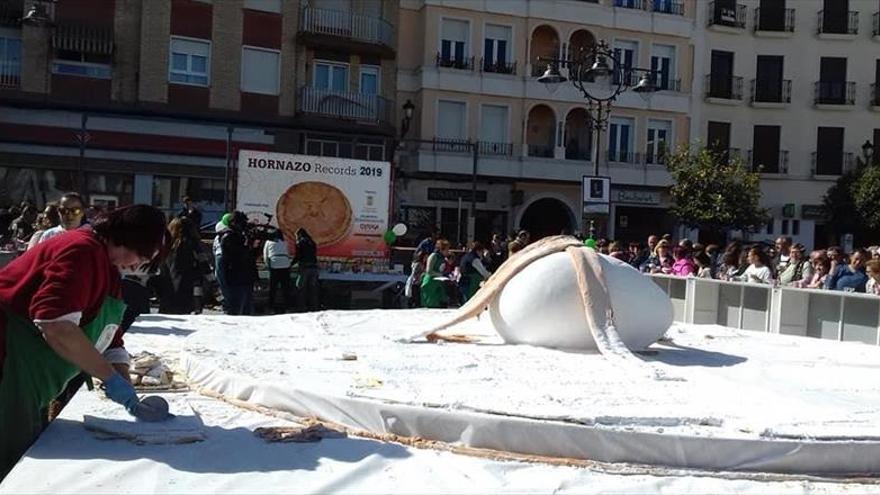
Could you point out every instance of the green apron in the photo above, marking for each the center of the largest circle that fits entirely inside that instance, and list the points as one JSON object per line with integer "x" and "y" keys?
{"x": 472, "y": 285}
{"x": 433, "y": 293}
{"x": 33, "y": 375}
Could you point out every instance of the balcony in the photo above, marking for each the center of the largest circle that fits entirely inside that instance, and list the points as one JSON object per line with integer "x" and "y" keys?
{"x": 658, "y": 158}
{"x": 780, "y": 167}
{"x": 724, "y": 89}
{"x": 336, "y": 29}
{"x": 837, "y": 26}
{"x": 582, "y": 153}
{"x": 835, "y": 93}
{"x": 623, "y": 156}
{"x": 768, "y": 24}
{"x": 769, "y": 96}
{"x": 10, "y": 74}
{"x": 831, "y": 163}
{"x": 632, "y": 4}
{"x": 660, "y": 6}
{"x": 362, "y": 108}
{"x": 731, "y": 20}
{"x": 455, "y": 63}
{"x": 496, "y": 67}
{"x": 488, "y": 148}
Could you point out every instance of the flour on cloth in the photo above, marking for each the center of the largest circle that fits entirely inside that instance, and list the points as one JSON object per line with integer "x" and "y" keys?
{"x": 115, "y": 423}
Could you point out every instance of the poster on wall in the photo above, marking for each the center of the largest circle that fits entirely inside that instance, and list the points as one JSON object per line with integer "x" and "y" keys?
{"x": 342, "y": 203}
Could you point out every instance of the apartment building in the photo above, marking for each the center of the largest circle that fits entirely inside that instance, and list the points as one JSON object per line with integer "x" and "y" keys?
{"x": 471, "y": 69}
{"x": 790, "y": 86}
{"x": 149, "y": 100}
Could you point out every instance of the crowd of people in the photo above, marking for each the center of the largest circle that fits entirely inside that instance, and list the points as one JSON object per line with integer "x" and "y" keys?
{"x": 442, "y": 278}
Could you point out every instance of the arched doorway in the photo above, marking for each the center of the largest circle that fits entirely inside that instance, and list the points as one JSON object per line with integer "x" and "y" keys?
{"x": 578, "y": 138}
{"x": 547, "y": 216}
{"x": 544, "y": 44}
{"x": 541, "y": 131}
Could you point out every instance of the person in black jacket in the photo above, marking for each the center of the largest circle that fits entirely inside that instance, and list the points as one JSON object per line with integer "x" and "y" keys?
{"x": 309, "y": 292}
{"x": 181, "y": 270}
{"x": 239, "y": 266}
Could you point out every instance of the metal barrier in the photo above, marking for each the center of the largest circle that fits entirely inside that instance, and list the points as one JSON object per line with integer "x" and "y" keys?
{"x": 825, "y": 314}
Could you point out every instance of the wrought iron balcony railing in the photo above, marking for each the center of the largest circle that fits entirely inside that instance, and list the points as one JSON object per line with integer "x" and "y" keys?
{"x": 780, "y": 166}
{"x": 347, "y": 25}
{"x": 10, "y": 74}
{"x": 495, "y": 149}
{"x": 497, "y": 67}
{"x": 763, "y": 93}
{"x": 719, "y": 15}
{"x": 724, "y": 87}
{"x": 835, "y": 93}
{"x": 832, "y": 163}
{"x": 623, "y": 156}
{"x": 830, "y": 23}
{"x": 344, "y": 105}
{"x": 466, "y": 63}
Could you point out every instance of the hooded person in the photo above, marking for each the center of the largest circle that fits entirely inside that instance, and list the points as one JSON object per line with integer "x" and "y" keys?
{"x": 221, "y": 227}
{"x": 239, "y": 266}
{"x": 61, "y": 310}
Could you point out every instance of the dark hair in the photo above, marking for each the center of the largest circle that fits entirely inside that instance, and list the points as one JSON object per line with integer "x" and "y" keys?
{"x": 186, "y": 199}
{"x": 238, "y": 221}
{"x": 712, "y": 248}
{"x": 72, "y": 195}
{"x": 680, "y": 252}
{"x": 761, "y": 254}
{"x": 702, "y": 259}
{"x": 140, "y": 228}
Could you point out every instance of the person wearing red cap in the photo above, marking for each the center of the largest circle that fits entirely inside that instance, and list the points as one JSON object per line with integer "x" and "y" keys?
{"x": 60, "y": 309}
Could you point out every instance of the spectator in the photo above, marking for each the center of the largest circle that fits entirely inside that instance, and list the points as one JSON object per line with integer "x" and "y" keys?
{"x": 714, "y": 253}
{"x": 704, "y": 265}
{"x": 45, "y": 221}
{"x": 796, "y": 268}
{"x": 783, "y": 255}
{"x": 836, "y": 257}
{"x": 181, "y": 270}
{"x": 414, "y": 282}
{"x": 71, "y": 210}
{"x": 683, "y": 265}
{"x": 647, "y": 252}
{"x": 219, "y": 229}
{"x": 759, "y": 268}
{"x": 239, "y": 266}
{"x": 22, "y": 228}
{"x": 730, "y": 267}
{"x": 687, "y": 243}
{"x": 433, "y": 291}
{"x": 661, "y": 261}
{"x": 426, "y": 246}
{"x": 192, "y": 213}
{"x": 635, "y": 251}
{"x": 472, "y": 271}
{"x": 276, "y": 256}
{"x": 821, "y": 266}
{"x": 521, "y": 241}
{"x": 497, "y": 251}
{"x": 615, "y": 250}
{"x": 849, "y": 277}
{"x": 308, "y": 284}
{"x": 872, "y": 270}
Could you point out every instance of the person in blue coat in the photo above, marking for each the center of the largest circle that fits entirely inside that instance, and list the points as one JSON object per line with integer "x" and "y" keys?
{"x": 851, "y": 277}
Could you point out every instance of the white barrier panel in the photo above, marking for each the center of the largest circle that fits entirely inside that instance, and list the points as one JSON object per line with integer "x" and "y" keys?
{"x": 833, "y": 315}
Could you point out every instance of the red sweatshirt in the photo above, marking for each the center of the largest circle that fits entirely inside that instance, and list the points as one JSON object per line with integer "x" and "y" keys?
{"x": 67, "y": 274}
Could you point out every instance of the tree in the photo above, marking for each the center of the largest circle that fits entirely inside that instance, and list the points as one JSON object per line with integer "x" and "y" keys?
{"x": 714, "y": 194}
{"x": 851, "y": 203}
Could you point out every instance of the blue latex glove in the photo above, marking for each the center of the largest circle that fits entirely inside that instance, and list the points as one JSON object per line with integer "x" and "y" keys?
{"x": 121, "y": 392}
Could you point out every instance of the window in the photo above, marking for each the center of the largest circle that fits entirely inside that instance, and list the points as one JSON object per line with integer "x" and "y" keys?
{"x": 259, "y": 70}
{"x": 264, "y": 5}
{"x": 493, "y": 124}
{"x": 331, "y": 76}
{"x": 626, "y": 52}
{"x": 10, "y": 60}
{"x": 496, "y": 48}
{"x": 768, "y": 79}
{"x": 718, "y": 138}
{"x": 451, "y": 120}
{"x": 765, "y": 153}
{"x": 453, "y": 42}
{"x": 327, "y": 147}
{"x": 663, "y": 66}
{"x": 190, "y": 62}
{"x": 369, "y": 82}
{"x": 659, "y": 137}
{"x": 620, "y": 140}
{"x": 829, "y": 151}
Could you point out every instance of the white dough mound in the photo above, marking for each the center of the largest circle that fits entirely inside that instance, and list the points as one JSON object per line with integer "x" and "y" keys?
{"x": 542, "y": 306}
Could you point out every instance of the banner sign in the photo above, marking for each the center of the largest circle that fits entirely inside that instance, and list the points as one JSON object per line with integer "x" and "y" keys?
{"x": 342, "y": 203}
{"x": 596, "y": 194}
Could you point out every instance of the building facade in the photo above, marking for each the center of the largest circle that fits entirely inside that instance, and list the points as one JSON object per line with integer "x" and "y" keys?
{"x": 149, "y": 100}
{"x": 790, "y": 86}
{"x": 471, "y": 70}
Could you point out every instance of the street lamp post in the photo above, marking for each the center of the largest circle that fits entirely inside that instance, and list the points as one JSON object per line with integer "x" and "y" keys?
{"x": 600, "y": 77}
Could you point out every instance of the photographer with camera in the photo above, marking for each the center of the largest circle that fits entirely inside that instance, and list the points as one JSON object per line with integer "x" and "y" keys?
{"x": 239, "y": 266}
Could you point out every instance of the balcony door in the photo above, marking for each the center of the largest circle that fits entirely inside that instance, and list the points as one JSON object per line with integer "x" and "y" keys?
{"x": 662, "y": 65}
{"x": 834, "y": 16}
{"x": 496, "y": 48}
{"x": 772, "y": 16}
{"x": 718, "y": 138}
{"x": 453, "y": 43}
{"x": 832, "y": 80}
{"x": 829, "y": 151}
{"x": 659, "y": 134}
{"x": 765, "y": 149}
{"x": 721, "y": 80}
{"x": 626, "y": 53}
{"x": 331, "y": 76}
{"x": 768, "y": 79}
{"x": 725, "y": 13}
{"x": 620, "y": 140}
{"x": 10, "y": 61}
{"x": 493, "y": 128}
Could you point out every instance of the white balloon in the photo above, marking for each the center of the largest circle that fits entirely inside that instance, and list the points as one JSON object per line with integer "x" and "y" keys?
{"x": 399, "y": 229}
{"x": 642, "y": 312}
